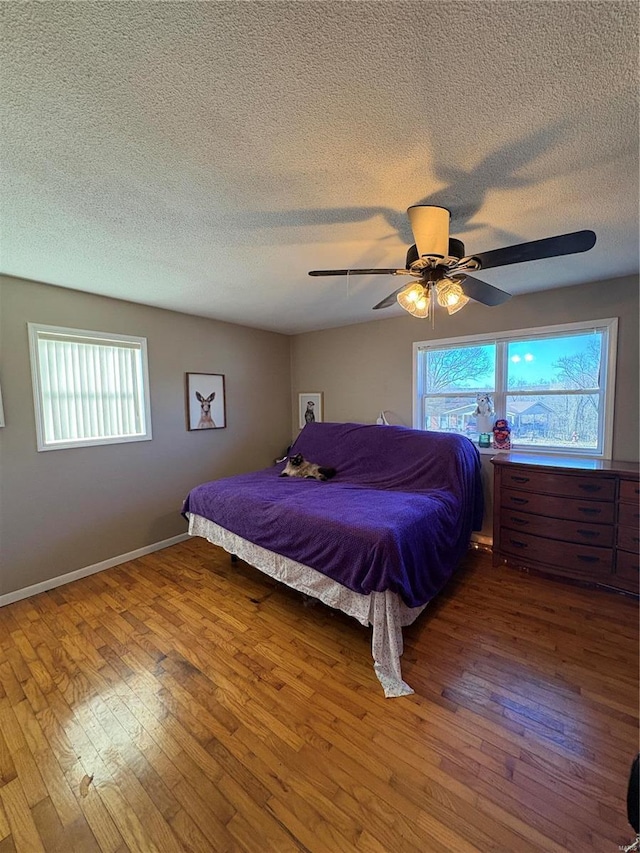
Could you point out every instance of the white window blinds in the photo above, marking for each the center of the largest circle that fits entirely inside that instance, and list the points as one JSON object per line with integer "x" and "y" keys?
{"x": 90, "y": 388}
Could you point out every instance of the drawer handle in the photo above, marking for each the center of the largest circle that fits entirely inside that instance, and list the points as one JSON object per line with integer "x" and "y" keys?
{"x": 521, "y": 521}
{"x": 519, "y": 479}
{"x": 589, "y": 511}
{"x": 519, "y": 500}
{"x": 518, "y": 544}
{"x": 587, "y": 559}
{"x": 589, "y": 487}
{"x": 591, "y": 533}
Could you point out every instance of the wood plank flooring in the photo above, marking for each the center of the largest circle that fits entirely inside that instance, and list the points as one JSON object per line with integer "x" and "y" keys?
{"x": 181, "y": 703}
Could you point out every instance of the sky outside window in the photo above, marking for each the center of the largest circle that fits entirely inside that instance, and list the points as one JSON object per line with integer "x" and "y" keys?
{"x": 536, "y": 363}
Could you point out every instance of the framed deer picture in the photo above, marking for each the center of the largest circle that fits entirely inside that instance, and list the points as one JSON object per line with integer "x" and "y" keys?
{"x": 206, "y": 407}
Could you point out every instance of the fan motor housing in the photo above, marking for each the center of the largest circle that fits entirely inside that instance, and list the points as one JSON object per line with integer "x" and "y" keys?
{"x": 456, "y": 250}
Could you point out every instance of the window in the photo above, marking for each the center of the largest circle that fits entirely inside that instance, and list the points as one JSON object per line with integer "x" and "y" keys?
{"x": 554, "y": 385}
{"x": 89, "y": 387}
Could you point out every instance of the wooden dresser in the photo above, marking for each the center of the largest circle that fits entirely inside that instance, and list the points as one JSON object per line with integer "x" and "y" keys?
{"x": 571, "y": 518}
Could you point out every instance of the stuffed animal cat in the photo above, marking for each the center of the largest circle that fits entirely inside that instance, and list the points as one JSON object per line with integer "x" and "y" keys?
{"x": 297, "y": 466}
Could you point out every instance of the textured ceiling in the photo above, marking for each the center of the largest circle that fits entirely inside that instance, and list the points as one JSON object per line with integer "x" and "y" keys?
{"x": 203, "y": 156}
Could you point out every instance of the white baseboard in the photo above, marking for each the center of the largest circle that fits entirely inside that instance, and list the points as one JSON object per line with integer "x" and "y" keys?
{"x": 43, "y": 586}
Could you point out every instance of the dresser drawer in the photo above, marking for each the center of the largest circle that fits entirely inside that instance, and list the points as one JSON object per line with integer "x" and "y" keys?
{"x": 630, "y": 491}
{"x": 628, "y": 539}
{"x": 627, "y": 564}
{"x": 601, "y": 488}
{"x": 557, "y": 507}
{"x": 581, "y": 561}
{"x": 627, "y": 571}
{"x": 554, "y": 528}
{"x": 629, "y": 515}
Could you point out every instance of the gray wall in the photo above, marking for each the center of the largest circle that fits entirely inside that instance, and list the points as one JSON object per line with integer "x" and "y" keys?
{"x": 62, "y": 510}
{"x": 363, "y": 369}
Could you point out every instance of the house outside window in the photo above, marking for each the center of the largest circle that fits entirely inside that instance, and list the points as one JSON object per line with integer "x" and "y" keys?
{"x": 89, "y": 388}
{"x": 554, "y": 385}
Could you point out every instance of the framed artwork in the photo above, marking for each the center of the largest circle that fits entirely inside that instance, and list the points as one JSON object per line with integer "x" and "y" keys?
{"x": 309, "y": 408}
{"x": 206, "y": 408}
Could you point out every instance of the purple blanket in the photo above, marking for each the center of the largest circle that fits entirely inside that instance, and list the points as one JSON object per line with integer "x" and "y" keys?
{"x": 397, "y": 516}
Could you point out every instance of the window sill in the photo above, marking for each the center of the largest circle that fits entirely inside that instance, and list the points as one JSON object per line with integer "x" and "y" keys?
{"x": 493, "y": 451}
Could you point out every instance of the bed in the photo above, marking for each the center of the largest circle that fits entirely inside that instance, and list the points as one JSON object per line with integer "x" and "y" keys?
{"x": 378, "y": 541}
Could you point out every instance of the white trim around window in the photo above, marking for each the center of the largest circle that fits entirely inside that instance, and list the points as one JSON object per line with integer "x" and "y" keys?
{"x": 89, "y": 388}
{"x": 606, "y": 388}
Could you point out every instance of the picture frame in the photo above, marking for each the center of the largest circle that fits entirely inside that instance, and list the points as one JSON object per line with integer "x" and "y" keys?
{"x": 310, "y": 408}
{"x": 206, "y": 401}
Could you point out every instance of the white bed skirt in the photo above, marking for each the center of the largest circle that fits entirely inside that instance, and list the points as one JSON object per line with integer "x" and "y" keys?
{"x": 385, "y": 611}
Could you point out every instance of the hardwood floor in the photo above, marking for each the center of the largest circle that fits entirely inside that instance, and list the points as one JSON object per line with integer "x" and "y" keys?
{"x": 179, "y": 703}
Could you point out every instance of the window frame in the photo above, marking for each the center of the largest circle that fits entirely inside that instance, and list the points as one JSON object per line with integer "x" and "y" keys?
{"x": 606, "y": 390}
{"x": 34, "y": 329}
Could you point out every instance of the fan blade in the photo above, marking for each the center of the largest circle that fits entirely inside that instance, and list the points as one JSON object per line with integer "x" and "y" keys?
{"x": 412, "y": 255}
{"x": 430, "y": 226}
{"x": 479, "y": 290}
{"x": 360, "y": 272}
{"x": 390, "y": 300}
{"x": 550, "y": 247}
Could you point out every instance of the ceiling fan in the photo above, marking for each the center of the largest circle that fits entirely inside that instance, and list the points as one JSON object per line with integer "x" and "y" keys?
{"x": 440, "y": 268}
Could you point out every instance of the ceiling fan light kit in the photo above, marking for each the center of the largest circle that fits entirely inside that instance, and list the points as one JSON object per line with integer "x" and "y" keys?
{"x": 450, "y": 294}
{"x": 412, "y": 297}
{"x": 441, "y": 268}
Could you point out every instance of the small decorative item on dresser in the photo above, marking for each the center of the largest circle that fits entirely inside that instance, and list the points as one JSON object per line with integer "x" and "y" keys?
{"x": 485, "y": 439}
{"x": 483, "y": 413}
{"x": 502, "y": 434}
